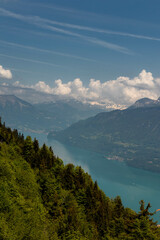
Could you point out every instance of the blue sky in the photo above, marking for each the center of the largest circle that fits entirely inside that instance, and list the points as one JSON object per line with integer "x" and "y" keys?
{"x": 42, "y": 41}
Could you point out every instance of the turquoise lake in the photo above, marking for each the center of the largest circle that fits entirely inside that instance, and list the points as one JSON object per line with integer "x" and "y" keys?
{"x": 113, "y": 177}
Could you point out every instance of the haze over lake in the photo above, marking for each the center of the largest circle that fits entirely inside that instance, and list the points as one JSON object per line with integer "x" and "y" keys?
{"x": 113, "y": 177}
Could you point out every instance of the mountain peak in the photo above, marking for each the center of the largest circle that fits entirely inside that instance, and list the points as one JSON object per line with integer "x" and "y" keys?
{"x": 145, "y": 102}
{"x": 12, "y": 100}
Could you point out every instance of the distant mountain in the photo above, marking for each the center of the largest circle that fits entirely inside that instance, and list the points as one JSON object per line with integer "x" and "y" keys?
{"x": 131, "y": 135}
{"x": 56, "y": 115}
{"x": 16, "y": 112}
{"x": 61, "y": 114}
{"x": 8, "y": 101}
{"x": 146, "y": 102}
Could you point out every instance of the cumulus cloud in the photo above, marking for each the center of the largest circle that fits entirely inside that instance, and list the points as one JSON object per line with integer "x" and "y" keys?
{"x": 5, "y": 73}
{"x": 117, "y": 93}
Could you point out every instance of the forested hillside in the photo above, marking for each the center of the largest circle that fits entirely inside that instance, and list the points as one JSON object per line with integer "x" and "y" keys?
{"x": 41, "y": 198}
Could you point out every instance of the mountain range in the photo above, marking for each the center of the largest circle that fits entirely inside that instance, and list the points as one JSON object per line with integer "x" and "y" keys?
{"x": 131, "y": 135}
{"x": 45, "y": 116}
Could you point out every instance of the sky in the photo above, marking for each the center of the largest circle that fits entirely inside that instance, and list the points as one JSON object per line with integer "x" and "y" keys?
{"x": 102, "y": 52}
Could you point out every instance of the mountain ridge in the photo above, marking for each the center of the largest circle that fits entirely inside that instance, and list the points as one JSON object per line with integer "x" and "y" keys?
{"x": 43, "y": 117}
{"x": 132, "y": 135}
{"x": 145, "y": 102}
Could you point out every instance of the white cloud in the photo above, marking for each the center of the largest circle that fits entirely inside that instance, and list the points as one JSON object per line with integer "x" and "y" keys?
{"x": 117, "y": 93}
{"x": 61, "y": 88}
{"x": 5, "y": 73}
{"x": 42, "y": 87}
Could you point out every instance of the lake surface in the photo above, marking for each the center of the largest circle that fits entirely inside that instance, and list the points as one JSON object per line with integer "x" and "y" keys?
{"x": 113, "y": 177}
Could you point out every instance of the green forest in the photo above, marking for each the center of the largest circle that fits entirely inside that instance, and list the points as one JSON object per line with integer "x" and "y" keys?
{"x": 43, "y": 199}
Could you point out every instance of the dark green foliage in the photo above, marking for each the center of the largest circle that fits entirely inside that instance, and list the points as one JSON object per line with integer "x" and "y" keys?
{"x": 41, "y": 198}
